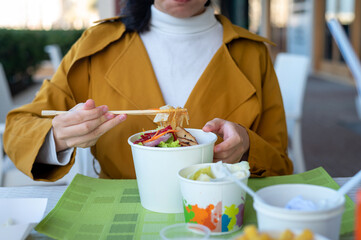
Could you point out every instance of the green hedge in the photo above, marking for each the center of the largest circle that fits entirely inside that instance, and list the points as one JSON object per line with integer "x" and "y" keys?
{"x": 21, "y": 52}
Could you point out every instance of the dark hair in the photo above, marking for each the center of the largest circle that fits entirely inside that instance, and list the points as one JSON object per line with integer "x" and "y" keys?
{"x": 136, "y": 14}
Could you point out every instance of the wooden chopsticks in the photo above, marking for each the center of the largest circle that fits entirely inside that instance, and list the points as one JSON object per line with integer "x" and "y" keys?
{"x": 129, "y": 112}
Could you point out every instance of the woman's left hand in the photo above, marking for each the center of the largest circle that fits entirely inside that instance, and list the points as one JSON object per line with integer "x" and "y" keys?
{"x": 235, "y": 140}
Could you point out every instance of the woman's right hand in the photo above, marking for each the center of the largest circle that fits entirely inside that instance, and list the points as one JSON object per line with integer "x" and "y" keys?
{"x": 83, "y": 125}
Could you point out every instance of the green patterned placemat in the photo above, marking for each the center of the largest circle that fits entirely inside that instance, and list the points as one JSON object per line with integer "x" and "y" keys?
{"x": 93, "y": 208}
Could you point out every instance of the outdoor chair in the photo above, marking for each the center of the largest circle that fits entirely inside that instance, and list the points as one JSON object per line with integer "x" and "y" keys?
{"x": 292, "y": 71}
{"x": 10, "y": 176}
{"x": 5, "y": 107}
{"x": 6, "y": 102}
{"x": 55, "y": 55}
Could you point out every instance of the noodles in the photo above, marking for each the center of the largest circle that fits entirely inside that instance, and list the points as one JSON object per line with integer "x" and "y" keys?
{"x": 174, "y": 118}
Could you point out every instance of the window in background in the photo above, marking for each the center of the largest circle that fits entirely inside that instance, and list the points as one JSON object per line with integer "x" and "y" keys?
{"x": 269, "y": 18}
{"x": 327, "y": 57}
{"x": 300, "y": 27}
{"x": 236, "y": 11}
{"x": 255, "y": 12}
{"x": 279, "y": 16}
{"x": 344, "y": 12}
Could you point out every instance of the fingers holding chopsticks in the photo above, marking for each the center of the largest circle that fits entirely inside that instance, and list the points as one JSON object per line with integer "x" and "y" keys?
{"x": 83, "y": 125}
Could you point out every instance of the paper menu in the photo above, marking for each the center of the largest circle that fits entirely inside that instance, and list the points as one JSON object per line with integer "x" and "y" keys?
{"x": 18, "y": 216}
{"x": 110, "y": 209}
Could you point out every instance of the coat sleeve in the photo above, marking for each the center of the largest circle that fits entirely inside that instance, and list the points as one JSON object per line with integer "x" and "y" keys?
{"x": 268, "y": 135}
{"x": 26, "y": 129}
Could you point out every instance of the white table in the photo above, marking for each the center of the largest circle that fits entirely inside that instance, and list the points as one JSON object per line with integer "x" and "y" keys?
{"x": 53, "y": 193}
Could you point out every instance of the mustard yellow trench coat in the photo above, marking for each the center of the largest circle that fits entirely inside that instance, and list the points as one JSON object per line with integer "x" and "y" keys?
{"x": 112, "y": 67}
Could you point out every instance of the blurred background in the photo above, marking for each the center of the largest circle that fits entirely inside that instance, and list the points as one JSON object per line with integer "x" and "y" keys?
{"x": 34, "y": 34}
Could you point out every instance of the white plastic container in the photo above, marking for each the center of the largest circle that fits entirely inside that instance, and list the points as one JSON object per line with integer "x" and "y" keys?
{"x": 217, "y": 205}
{"x": 274, "y": 215}
{"x": 157, "y": 168}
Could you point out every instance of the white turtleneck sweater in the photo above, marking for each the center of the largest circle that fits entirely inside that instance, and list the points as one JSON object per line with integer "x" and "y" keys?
{"x": 179, "y": 50}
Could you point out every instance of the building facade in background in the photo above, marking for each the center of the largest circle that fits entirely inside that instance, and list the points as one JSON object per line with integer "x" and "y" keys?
{"x": 326, "y": 55}
{"x": 303, "y": 30}
{"x": 296, "y": 26}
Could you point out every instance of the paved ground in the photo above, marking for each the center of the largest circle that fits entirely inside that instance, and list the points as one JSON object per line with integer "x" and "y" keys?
{"x": 331, "y": 129}
{"x": 330, "y": 126}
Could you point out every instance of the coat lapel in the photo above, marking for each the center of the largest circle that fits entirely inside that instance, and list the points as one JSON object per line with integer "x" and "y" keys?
{"x": 222, "y": 87}
{"x": 220, "y": 90}
{"x": 97, "y": 38}
{"x": 231, "y": 32}
{"x": 132, "y": 76}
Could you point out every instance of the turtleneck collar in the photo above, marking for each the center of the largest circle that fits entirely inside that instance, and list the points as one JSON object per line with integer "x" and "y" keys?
{"x": 169, "y": 24}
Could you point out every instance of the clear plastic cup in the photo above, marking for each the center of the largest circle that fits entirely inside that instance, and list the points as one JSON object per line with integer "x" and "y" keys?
{"x": 185, "y": 231}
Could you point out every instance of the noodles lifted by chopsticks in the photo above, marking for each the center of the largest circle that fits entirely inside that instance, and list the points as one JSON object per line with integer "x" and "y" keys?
{"x": 174, "y": 118}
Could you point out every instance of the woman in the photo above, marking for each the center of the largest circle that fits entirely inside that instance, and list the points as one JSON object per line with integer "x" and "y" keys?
{"x": 171, "y": 52}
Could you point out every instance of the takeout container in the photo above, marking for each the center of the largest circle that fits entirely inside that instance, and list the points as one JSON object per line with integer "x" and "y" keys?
{"x": 218, "y": 205}
{"x": 273, "y": 215}
{"x": 157, "y": 168}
